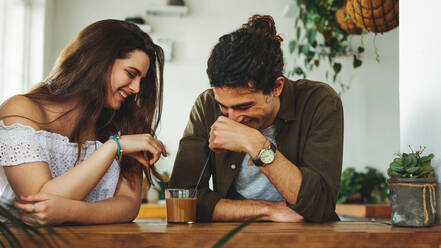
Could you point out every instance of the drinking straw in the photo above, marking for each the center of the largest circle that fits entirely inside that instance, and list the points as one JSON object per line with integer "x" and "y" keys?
{"x": 202, "y": 173}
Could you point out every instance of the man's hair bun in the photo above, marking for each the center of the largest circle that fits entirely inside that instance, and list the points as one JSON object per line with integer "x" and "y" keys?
{"x": 263, "y": 24}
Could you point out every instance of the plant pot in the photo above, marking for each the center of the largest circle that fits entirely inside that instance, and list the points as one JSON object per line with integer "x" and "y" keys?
{"x": 376, "y": 16}
{"x": 346, "y": 24}
{"x": 413, "y": 201}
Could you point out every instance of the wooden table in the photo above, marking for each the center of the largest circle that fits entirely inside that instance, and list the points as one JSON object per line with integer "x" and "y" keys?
{"x": 262, "y": 234}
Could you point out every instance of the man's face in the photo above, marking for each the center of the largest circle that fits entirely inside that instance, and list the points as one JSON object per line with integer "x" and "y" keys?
{"x": 248, "y": 107}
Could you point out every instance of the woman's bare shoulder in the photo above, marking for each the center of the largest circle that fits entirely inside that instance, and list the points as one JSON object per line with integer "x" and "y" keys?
{"x": 21, "y": 109}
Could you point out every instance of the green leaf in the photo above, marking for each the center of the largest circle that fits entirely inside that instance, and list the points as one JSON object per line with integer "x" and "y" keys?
{"x": 10, "y": 237}
{"x": 336, "y": 67}
{"x": 311, "y": 35}
{"x": 427, "y": 159}
{"x": 298, "y": 32}
{"x": 398, "y": 160}
{"x": 413, "y": 160}
{"x": 394, "y": 166}
{"x": 34, "y": 234}
{"x": 298, "y": 70}
{"x": 356, "y": 63}
{"x": 342, "y": 199}
{"x": 377, "y": 55}
{"x": 360, "y": 49}
{"x": 305, "y": 50}
{"x": 233, "y": 232}
{"x": 310, "y": 56}
{"x": 304, "y": 17}
{"x": 412, "y": 170}
{"x": 406, "y": 160}
{"x": 292, "y": 46}
{"x": 426, "y": 167}
{"x": 392, "y": 173}
{"x": 300, "y": 49}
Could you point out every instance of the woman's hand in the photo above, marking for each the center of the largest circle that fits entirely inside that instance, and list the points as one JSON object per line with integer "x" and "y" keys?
{"x": 45, "y": 209}
{"x": 136, "y": 144}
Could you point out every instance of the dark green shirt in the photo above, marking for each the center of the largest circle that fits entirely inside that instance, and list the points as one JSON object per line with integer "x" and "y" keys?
{"x": 309, "y": 133}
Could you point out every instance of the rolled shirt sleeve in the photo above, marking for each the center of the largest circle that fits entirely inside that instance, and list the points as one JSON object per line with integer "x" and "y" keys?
{"x": 321, "y": 161}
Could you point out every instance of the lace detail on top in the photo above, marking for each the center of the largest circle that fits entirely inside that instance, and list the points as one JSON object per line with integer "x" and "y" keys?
{"x": 23, "y": 144}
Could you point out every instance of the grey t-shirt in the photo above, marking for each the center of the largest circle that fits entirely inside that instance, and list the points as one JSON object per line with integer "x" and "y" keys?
{"x": 251, "y": 183}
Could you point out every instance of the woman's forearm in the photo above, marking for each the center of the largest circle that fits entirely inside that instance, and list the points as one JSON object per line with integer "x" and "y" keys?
{"x": 76, "y": 183}
{"x": 119, "y": 209}
{"x": 123, "y": 207}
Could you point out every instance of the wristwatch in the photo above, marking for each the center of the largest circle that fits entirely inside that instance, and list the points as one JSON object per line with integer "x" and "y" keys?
{"x": 266, "y": 156}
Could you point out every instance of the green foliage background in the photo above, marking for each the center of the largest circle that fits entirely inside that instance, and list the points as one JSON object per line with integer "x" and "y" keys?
{"x": 317, "y": 18}
{"x": 368, "y": 184}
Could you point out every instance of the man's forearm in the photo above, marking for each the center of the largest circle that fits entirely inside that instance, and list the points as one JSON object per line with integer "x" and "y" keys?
{"x": 282, "y": 173}
{"x": 239, "y": 210}
{"x": 285, "y": 176}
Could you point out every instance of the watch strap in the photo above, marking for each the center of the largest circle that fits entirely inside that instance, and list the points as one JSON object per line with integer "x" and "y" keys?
{"x": 258, "y": 162}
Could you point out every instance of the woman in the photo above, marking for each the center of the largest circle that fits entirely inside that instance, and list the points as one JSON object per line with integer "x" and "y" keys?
{"x": 59, "y": 142}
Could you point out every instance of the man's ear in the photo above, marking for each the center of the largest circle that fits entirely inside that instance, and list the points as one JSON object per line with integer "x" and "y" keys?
{"x": 278, "y": 86}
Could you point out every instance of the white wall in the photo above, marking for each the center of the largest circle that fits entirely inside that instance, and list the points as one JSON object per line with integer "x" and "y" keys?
{"x": 420, "y": 88}
{"x": 371, "y": 105}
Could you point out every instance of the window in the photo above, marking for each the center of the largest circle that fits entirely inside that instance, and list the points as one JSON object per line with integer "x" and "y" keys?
{"x": 21, "y": 45}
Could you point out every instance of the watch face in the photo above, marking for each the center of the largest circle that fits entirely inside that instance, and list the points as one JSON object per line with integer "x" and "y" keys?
{"x": 267, "y": 156}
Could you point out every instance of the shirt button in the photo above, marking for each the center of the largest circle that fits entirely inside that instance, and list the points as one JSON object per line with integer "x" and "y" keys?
{"x": 233, "y": 166}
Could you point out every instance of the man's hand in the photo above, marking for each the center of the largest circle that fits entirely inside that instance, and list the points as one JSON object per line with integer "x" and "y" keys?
{"x": 279, "y": 212}
{"x": 227, "y": 134}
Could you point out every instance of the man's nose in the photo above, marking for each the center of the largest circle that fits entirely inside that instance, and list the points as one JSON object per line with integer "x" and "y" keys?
{"x": 234, "y": 115}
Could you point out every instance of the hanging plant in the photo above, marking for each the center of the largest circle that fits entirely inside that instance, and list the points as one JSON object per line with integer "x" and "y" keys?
{"x": 345, "y": 23}
{"x": 376, "y": 16}
{"x": 323, "y": 29}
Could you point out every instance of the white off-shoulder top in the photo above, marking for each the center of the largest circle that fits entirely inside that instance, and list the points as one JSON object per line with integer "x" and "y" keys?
{"x": 22, "y": 144}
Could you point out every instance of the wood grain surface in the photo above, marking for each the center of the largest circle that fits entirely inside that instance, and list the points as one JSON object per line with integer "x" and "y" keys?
{"x": 261, "y": 234}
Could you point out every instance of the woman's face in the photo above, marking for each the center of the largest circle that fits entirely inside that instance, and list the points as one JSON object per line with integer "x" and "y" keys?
{"x": 125, "y": 78}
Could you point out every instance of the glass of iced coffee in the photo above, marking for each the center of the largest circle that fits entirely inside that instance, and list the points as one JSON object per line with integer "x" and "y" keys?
{"x": 181, "y": 206}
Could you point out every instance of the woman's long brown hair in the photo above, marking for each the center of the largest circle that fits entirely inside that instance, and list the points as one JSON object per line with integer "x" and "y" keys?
{"x": 81, "y": 71}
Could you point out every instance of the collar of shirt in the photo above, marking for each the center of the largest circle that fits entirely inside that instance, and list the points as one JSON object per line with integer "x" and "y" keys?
{"x": 287, "y": 102}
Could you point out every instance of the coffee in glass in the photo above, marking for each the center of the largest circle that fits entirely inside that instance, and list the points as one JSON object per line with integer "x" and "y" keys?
{"x": 181, "y": 206}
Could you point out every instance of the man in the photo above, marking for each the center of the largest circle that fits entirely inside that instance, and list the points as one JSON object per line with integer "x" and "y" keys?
{"x": 278, "y": 144}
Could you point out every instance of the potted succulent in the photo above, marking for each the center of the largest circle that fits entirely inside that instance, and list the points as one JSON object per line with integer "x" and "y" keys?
{"x": 412, "y": 186}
